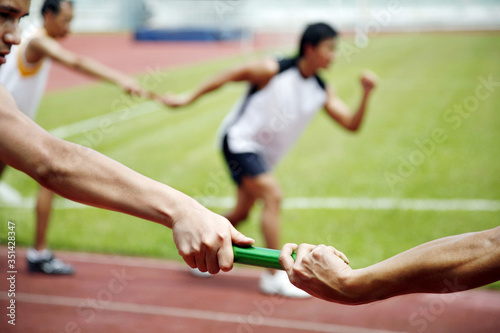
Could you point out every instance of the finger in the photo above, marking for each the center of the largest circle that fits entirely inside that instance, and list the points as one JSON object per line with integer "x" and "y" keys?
{"x": 153, "y": 96}
{"x": 138, "y": 93}
{"x": 201, "y": 260}
{"x": 339, "y": 254}
{"x": 165, "y": 100}
{"x": 303, "y": 250}
{"x": 286, "y": 259}
{"x": 239, "y": 239}
{"x": 342, "y": 256}
{"x": 212, "y": 261}
{"x": 225, "y": 255}
{"x": 185, "y": 252}
{"x": 190, "y": 261}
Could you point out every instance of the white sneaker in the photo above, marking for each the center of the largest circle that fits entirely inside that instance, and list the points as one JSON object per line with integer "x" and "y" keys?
{"x": 279, "y": 284}
{"x": 196, "y": 272}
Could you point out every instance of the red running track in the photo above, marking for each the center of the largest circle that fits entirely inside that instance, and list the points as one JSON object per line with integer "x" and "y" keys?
{"x": 120, "y": 294}
{"x": 130, "y": 294}
{"x": 121, "y": 52}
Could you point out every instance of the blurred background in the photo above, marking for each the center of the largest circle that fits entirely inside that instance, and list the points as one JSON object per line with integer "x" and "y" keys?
{"x": 389, "y": 187}
{"x": 257, "y": 16}
{"x": 430, "y": 56}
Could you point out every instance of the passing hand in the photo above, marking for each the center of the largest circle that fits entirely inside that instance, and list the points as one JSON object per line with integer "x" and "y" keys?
{"x": 204, "y": 239}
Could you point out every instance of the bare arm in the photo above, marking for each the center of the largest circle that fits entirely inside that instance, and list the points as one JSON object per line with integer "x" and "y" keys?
{"x": 341, "y": 113}
{"x": 44, "y": 46}
{"x": 445, "y": 265}
{"x": 257, "y": 73}
{"x": 81, "y": 174}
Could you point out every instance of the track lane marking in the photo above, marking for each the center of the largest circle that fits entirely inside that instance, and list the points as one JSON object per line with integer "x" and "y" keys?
{"x": 234, "y": 318}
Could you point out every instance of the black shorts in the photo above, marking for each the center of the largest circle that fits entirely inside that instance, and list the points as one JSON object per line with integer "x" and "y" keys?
{"x": 243, "y": 164}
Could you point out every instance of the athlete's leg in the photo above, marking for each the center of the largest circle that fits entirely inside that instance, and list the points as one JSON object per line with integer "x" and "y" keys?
{"x": 43, "y": 210}
{"x": 244, "y": 203}
{"x": 266, "y": 188}
{"x": 39, "y": 258}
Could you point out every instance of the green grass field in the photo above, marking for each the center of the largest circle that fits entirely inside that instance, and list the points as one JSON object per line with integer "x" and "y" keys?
{"x": 431, "y": 90}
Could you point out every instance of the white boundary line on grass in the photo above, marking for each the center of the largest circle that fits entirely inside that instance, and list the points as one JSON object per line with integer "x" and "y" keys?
{"x": 168, "y": 311}
{"x": 9, "y": 197}
{"x": 332, "y": 203}
{"x": 108, "y": 119}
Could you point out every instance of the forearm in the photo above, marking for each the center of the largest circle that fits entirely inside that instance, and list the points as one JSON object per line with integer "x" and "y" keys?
{"x": 446, "y": 265}
{"x": 82, "y": 174}
{"x": 256, "y": 73}
{"x": 357, "y": 117}
{"x": 209, "y": 86}
{"x": 203, "y": 238}
{"x": 341, "y": 113}
{"x": 88, "y": 177}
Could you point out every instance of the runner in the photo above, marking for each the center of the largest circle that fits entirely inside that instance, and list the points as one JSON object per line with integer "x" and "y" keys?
{"x": 25, "y": 75}
{"x": 283, "y": 97}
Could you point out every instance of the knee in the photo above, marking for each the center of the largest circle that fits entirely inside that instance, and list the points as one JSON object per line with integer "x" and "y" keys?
{"x": 238, "y": 217}
{"x": 273, "y": 196}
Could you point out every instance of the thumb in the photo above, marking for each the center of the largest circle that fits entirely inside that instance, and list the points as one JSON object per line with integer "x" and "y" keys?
{"x": 239, "y": 239}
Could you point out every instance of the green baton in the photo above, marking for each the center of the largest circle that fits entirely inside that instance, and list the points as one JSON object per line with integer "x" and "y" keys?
{"x": 258, "y": 256}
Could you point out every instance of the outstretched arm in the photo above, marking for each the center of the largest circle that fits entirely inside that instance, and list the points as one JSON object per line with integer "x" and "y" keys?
{"x": 341, "y": 113}
{"x": 257, "y": 73}
{"x": 44, "y": 46}
{"x": 82, "y": 174}
{"x": 445, "y": 265}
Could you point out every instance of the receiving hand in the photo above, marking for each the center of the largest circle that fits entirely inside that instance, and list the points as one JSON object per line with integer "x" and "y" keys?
{"x": 319, "y": 270}
{"x": 131, "y": 87}
{"x": 176, "y": 101}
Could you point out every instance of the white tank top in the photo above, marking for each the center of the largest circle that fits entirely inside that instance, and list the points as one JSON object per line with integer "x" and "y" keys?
{"x": 26, "y": 82}
{"x": 270, "y": 120}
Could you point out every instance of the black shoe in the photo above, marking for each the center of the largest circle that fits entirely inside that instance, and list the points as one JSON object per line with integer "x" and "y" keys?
{"x": 50, "y": 265}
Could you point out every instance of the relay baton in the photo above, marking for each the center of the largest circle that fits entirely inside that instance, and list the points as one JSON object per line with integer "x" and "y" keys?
{"x": 258, "y": 256}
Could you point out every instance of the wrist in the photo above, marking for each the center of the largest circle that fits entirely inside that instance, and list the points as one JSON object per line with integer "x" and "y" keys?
{"x": 350, "y": 286}
{"x": 182, "y": 205}
{"x": 167, "y": 204}
{"x": 357, "y": 287}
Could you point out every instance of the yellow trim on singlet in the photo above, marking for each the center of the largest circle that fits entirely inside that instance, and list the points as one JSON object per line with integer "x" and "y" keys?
{"x": 25, "y": 68}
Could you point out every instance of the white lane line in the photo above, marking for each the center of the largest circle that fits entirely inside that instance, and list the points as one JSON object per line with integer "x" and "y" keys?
{"x": 167, "y": 311}
{"x": 332, "y": 203}
{"x": 106, "y": 120}
{"x": 9, "y": 197}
